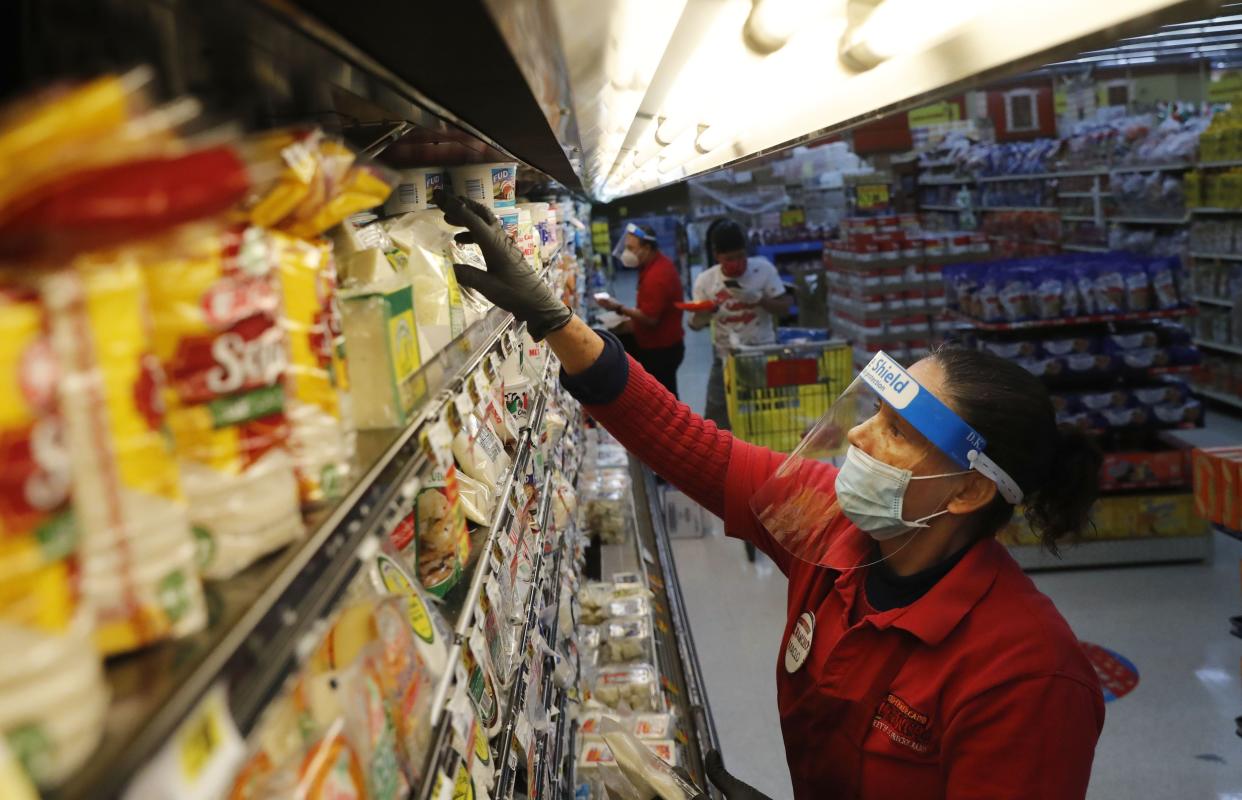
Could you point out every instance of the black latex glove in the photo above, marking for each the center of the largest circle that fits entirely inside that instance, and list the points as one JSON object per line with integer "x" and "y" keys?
{"x": 732, "y": 788}
{"x": 509, "y": 281}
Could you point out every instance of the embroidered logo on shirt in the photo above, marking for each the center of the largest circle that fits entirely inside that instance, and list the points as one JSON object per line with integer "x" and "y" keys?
{"x": 903, "y": 724}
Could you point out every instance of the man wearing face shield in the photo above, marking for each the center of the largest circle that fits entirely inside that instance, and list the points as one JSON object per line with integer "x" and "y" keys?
{"x": 746, "y": 294}
{"x": 917, "y": 661}
{"x": 655, "y": 316}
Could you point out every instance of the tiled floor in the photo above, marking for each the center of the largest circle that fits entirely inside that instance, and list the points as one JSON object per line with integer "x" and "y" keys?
{"x": 1171, "y": 738}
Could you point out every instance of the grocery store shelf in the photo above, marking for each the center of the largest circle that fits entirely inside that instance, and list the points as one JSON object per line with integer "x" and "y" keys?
{"x": 260, "y": 617}
{"x": 1218, "y": 164}
{"x": 944, "y": 180}
{"x": 1182, "y": 220}
{"x": 1078, "y": 217}
{"x": 1093, "y": 319}
{"x": 1084, "y": 248}
{"x": 1115, "y": 552}
{"x": 1224, "y": 348}
{"x": 1218, "y": 256}
{"x": 1169, "y": 167}
{"x": 1035, "y": 176}
{"x": 1084, "y": 194}
{"x": 1045, "y": 209}
{"x": 941, "y": 208}
{"x": 1214, "y": 301}
{"x": 787, "y": 248}
{"x": 1218, "y": 396}
{"x": 1212, "y": 210}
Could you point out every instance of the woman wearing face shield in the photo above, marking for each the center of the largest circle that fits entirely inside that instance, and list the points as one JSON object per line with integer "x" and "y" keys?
{"x": 918, "y": 661}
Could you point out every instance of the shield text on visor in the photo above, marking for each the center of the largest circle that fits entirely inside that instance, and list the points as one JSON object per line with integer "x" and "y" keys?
{"x": 897, "y": 477}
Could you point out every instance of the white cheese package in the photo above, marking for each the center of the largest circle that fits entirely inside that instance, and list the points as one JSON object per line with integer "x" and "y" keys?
{"x": 648, "y": 764}
{"x": 477, "y": 450}
{"x": 478, "y": 500}
{"x": 600, "y": 602}
{"x": 606, "y": 505}
{"x": 633, "y": 686}
{"x": 499, "y": 632}
{"x": 426, "y": 240}
{"x": 644, "y": 726}
{"x": 597, "y": 753}
{"x": 381, "y": 334}
{"x": 628, "y": 583}
{"x": 624, "y": 639}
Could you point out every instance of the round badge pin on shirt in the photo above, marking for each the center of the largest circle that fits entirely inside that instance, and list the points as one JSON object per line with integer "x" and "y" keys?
{"x": 799, "y": 646}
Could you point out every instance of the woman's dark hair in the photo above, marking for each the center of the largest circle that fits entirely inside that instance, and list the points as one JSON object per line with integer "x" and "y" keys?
{"x": 1058, "y": 469}
{"x": 727, "y": 237}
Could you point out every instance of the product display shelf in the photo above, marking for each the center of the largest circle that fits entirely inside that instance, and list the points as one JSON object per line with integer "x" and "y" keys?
{"x": 1044, "y": 209}
{"x": 1217, "y": 256}
{"x": 1220, "y": 346}
{"x": 1174, "y": 166}
{"x": 788, "y": 248}
{"x": 519, "y": 692}
{"x": 1124, "y": 220}
{"x": 1093, "y": 319}
{"x": 1115, "y": 552}
{"x": 944, "y": 180}
{"x": 1084, "y": 194}
{"x": 1211, "y": 210}
{"x": 953, "y": 209}
{"x": 1040, "y": 176}
{"x": 260, "y": 618}
{"x": 1214, "y": 301}
{"x": 1221, "y": 397}
{"x": 678, "y": 659}
{"x": 1084, "y": 248}
{"x": 1078, "y": 218}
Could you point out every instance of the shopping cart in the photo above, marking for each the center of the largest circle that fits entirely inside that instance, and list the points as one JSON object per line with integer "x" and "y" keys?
{"x": 777, "y": 392}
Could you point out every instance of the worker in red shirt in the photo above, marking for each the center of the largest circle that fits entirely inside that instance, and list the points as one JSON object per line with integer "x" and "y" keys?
{"x": 917, "y": 661}
{"x": 656, "y": 320}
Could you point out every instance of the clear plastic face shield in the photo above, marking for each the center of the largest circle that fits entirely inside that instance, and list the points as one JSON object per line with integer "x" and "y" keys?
{"x": 619, "y": 252}
{"x": 888, "y": 456}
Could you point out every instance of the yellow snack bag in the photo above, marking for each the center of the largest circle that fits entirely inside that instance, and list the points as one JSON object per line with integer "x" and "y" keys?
{"x": 137, "y": 553}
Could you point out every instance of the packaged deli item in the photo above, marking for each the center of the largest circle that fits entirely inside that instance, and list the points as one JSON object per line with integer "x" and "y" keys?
{"x": 648, "y": 765}
{"x": 138, "y": 556}
{"x": 216, "y": 318}
{"x": 381, "y": 335}
{"x": 427, "y": 242}
{"x": 633, "y": 686}
{"x": 626, "y": 639}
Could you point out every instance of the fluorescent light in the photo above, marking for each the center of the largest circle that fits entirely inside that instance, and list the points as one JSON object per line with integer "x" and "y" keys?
{"x": 902, "y": 27}
{"x": 773, "y": 22}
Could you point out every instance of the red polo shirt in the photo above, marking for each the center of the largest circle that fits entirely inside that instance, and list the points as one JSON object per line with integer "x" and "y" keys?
{"x": 659, "y": 287}
{"x": 977, "y": 690}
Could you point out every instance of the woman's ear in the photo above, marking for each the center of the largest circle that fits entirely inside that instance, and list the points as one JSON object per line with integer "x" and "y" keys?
{"x": 974, "y": 494}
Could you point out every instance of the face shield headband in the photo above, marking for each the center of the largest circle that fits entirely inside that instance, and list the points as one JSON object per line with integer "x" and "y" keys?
{"x": 632, "y": 229}
{"x": 936, "y": 421}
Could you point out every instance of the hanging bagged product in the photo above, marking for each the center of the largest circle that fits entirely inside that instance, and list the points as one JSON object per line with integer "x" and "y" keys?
{"x": 139, "y": 568}
{"x": 321, "y": 436}
{"x": 426, "y": 242}
{"x": 441, "y": 536}
{"x": 53, "y": 697}
{"x": 381, "y": 335}
{"x": 216, "y": 303}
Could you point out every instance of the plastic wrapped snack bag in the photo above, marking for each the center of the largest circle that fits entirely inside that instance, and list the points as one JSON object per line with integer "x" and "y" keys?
{"x": 216, "y": 309}
{"x": 478, "y": 450}
{"x": 138, "y": 556}
{"x": 321, "y": 435}
{"x": 53, "y": 697}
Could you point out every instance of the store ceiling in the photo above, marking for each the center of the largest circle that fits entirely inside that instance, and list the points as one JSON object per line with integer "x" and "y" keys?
{"x": 665, "y": 89}
{"x": 1213, "y": 40}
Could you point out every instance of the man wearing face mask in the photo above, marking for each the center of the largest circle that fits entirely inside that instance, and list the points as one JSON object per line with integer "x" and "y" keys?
{"x": 655, "y": 317}
{"x": 748, "y": 295}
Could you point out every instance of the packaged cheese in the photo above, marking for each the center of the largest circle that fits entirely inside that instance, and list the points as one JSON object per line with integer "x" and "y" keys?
{"x": 139, "y": 568}
{"x": 381, "y": 337}
{"x": 216, "y": 302}
{"x": 426, "y": 240}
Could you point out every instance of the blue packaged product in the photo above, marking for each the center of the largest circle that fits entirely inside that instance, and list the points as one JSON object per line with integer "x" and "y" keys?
{"x": 1011, "y": 350}
{"x": 1109, "y": 288}
{"x": 1120, "y": 342}
{"x": 1138, "y": 288}
{"x": 1161, "y": 272}
{"x": 1069, "y": 346}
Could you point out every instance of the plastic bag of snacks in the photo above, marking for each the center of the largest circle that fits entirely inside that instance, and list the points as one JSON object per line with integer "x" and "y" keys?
{"x": 52, "y": 693}
{"x": 138, "y": 556}
{"x": 216, "y": 303}
{"x": 321, "y": 436}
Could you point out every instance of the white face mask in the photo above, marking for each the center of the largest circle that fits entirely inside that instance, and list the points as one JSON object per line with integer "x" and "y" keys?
{"x": 629, "y": 259}
{"x": 871, "y": 494}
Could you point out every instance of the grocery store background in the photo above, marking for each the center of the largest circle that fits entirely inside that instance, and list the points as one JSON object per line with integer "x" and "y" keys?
{"x": 1063, "y": 190}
